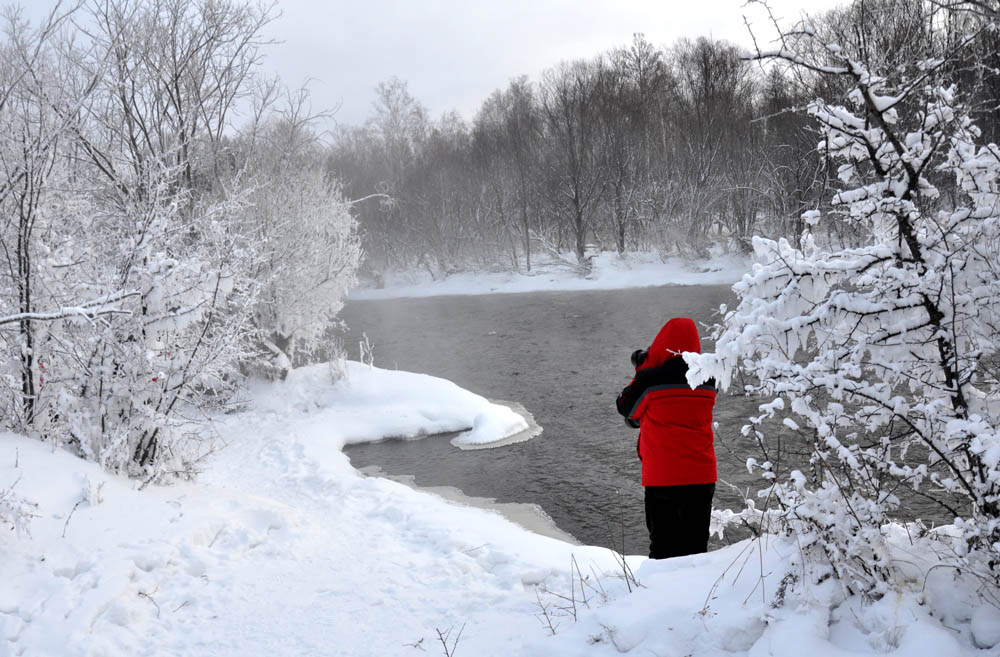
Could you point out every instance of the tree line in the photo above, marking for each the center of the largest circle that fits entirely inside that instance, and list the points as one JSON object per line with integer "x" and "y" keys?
{"x": 668, "y": 149}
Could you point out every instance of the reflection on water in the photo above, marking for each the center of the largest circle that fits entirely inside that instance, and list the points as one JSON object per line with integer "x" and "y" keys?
{"x": 565, "y": 357}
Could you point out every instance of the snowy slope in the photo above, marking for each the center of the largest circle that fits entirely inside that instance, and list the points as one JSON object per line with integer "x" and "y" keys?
{"x": 281, "y": 548}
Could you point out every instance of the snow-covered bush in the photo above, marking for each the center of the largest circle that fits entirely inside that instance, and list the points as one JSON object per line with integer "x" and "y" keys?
{"x": 307, "y": 243}
{"x": 879, "y": 356}
{"x": 125, "y": 390}
{"x": 145, "y": 255}
{"x": 16, "y": 512}
{"x": 121, "y": 269}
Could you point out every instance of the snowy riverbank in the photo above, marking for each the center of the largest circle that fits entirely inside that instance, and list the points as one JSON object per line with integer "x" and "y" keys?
{"x": 609, "y": 271}
{"x": 282, "y": 548}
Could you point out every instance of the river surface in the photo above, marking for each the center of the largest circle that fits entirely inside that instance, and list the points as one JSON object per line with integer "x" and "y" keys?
{"x": 565, "y": 357}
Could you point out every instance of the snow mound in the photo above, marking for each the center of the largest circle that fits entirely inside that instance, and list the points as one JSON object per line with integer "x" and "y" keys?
{"x": 494, "y": 425}
{"x": 363, "y": 404}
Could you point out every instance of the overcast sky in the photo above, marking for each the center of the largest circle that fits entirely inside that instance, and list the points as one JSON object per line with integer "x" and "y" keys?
{"x": 454, "y": 53}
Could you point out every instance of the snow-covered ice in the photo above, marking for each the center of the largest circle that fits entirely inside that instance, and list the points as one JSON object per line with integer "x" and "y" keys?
{"x": 608, "y": 271}
{"x": 282, "y": 548}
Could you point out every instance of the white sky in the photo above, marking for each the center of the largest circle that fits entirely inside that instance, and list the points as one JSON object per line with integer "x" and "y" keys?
{"x": 454, "y": 53}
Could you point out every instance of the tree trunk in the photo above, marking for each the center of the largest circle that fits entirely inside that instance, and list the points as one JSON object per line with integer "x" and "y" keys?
{"x": 25, "y": 327}
{"x": 580, "y": 233}
{"x": 527, "y": 236}
{"x": 620, "y": 218}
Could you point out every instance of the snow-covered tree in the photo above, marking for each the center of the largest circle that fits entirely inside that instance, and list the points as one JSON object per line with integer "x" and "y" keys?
{"x": 127, "y": 390}
{"x": 143, "y": 254}
{"x": 306, "y": 240}
{"x": 149, "y": 229}
{"x": 147, "y": 253}
{"x": 880, "y": 356}
{"x": 33, "y": 106}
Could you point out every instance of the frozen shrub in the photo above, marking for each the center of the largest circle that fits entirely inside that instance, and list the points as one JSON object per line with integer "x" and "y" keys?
{"x": 875, "y": 354}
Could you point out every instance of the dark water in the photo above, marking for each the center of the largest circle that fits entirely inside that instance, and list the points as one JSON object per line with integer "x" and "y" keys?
{"x": 565, "y": 357}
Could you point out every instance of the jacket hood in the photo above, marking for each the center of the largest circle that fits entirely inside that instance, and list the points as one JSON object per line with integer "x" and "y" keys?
{"x": 677, "y": 335}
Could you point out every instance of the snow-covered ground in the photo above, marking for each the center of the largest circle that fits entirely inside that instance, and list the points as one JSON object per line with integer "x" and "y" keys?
{"x": 282, "y": 548}
{"x": 609, "y": 271}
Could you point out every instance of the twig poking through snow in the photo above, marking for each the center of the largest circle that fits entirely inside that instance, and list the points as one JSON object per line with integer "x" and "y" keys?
{"x": 143, "y": 594}
{"x": 71, "y": 512}
{"x": 366, "y": 351}
{"x": 547, "y": 622}
{"x": 627, "y": 574}
{"x": 444, "y": 636}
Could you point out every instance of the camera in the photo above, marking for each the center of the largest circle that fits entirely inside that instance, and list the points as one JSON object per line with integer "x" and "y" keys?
{"x": 639, "y": 357}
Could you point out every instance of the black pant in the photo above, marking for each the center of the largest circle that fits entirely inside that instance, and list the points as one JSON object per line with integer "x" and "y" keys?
{"x": 678, "y": 518}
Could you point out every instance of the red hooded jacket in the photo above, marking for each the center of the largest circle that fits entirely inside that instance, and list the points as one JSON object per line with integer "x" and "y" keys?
{"x": 675, "y": 421}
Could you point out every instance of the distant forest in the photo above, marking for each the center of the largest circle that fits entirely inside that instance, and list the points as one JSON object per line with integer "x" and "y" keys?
{"x": 640, "y": 148}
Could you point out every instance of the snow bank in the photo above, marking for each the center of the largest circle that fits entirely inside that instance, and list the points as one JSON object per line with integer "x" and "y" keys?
{"x": 756, "y": 599}
{"x": 367, "y": 404}
{"x": 609, "y": 271}
{"x": 281, "y": 548}
{"x": 107, "y": 569}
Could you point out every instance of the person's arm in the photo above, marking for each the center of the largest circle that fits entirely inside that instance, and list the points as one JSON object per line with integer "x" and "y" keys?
{"x": 672, "y": 372}
{"x": 630, "y": 396}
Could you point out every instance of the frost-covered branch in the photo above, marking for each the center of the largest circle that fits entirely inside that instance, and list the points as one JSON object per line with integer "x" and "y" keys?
{"x": 872, "y": 354}
{"x": 90, "y": 310}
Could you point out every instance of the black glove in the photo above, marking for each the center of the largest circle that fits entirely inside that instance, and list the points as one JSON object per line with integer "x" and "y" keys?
{"x": 638, "y": 357}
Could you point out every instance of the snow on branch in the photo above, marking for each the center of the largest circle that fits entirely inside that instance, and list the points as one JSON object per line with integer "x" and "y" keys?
{"x": 795, "y": 58}
{"x": 90, "y": 310}
{"x": 872, "y": 353}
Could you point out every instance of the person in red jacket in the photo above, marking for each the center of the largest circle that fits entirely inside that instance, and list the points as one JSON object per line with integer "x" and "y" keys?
{"x": 675, "y": 441}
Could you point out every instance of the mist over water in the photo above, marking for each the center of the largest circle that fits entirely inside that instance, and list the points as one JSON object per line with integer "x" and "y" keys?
{"x": 565, "y": 357}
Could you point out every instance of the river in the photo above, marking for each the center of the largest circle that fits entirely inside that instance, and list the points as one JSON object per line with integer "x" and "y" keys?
{"x": 565, "y": 357}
